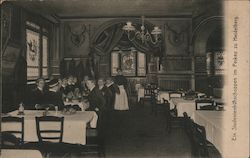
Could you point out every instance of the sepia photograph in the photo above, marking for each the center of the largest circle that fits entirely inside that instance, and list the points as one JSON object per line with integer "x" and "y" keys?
{"x": 125, "y": 79}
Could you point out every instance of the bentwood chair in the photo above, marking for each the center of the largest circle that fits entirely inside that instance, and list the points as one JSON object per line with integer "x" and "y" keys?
{"x": 12, "y": 138}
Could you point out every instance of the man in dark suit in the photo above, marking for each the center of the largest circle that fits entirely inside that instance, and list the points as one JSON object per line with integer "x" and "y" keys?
{"x": 63, "y": 89}
{"x": 96, "y": 100}
{"x": 54, "y": 96}
{"x": 106, "y": 92}
{"x": 38, "y": 95}
{"x": 97, "y": 103}
{"x": 113, "y": 89}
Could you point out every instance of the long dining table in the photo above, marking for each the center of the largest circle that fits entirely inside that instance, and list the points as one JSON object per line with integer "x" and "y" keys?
{"x": 215, "y": 128}
{"x": 74, "y": 130}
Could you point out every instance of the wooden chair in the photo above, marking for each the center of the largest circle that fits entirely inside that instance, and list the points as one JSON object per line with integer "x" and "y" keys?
{"x": 94, "y": 144}
{"x": 41, "y": 132}
{"x": 50, "y": 140}
{"x": 13, "y": 138}
{"x": 204, "y": 105}
{"x": 200, "y": 146}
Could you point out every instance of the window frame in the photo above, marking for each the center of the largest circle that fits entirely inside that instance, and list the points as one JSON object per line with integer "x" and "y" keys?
{"x": 42, "y": 31}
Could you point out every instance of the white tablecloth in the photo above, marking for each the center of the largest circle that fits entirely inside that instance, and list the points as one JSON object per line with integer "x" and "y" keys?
{"x": 14, "y": 153}
{"x": 213, "y": 123}
{"x": 74, "y": 125}
{"x": 183, "y": 105}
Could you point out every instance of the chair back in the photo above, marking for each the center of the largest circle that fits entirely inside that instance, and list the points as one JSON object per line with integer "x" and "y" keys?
{"x": 147, "y": 91}
{"x": 175, "y": 95}
{"x": 199, "y": 141}
{"x": 204, "y": 105}
{"x": 13, "y": 125}
{"x": 49, "y": 128}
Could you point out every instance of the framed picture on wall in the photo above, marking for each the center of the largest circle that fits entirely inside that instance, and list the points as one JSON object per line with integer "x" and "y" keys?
{"x": 128, "y": 63}
{"x": 33, "y": 53}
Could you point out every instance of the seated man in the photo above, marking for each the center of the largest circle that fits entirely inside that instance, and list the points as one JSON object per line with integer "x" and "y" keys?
{"x": 63, "y": 89}
{"x": 54, "y": 96}
{"x": 38, "y": 95}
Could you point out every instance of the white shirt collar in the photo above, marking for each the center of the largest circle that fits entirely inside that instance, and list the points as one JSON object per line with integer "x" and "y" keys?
{"x": 91, "y": 88}
{"x": 108, "y": 85}
{"x": 40, "y": 88}
{"x": 52, "y": 90}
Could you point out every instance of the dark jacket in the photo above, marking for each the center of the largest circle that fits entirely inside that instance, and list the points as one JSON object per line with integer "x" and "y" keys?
{"x": 55, "y": 98}
{"x": 96, "y": 100}
{"x": 36, "y": 97}
{"x": 107, "y": 94}
{"x": 113, "y": 89}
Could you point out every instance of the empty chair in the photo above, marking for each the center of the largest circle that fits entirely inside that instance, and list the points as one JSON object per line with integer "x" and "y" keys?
{"x": 148, "y": 89}
{"x": 50, "y": 134}
{"x": 12, "y": 132}
{"x": 94, "y": 144}
{"x": 45, "y": 134}
{"x": 204, "y": 105}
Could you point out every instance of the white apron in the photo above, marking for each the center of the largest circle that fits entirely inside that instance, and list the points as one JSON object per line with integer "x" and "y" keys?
{"x": 121, "y": 100}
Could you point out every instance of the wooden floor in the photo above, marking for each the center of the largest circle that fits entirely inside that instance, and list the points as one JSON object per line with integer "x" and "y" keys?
{"x": 138, "y": 133}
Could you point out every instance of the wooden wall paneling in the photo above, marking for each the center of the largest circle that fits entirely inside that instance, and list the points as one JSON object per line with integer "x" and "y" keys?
{"x": 174, "y": 82}
{"x": 176, "y": 63}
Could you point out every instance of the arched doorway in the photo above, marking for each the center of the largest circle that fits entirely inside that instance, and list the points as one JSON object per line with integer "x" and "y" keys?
{"x": 207, "y": 39}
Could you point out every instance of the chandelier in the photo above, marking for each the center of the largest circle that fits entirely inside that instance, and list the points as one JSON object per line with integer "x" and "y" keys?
{"x": 142, "y": 34}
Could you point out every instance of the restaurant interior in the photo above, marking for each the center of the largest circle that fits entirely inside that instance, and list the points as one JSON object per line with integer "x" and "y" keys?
{"x": 164, "y": 57}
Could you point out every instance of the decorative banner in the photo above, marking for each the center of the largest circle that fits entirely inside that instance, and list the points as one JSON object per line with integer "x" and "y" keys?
{"x": 218, "y": 62}
{"x": 128, "y": 63}
{"x": 33, "y": 42}
{"x": 33, "y": 53}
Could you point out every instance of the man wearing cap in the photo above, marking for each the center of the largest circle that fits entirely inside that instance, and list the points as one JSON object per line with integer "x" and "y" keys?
{"x": 54, "y": 96}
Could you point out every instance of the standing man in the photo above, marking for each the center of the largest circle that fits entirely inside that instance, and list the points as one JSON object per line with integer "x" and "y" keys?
{"x": 97, "y": 103}
{"x": 106, "y": 92}
{"x": 114, "y": 89}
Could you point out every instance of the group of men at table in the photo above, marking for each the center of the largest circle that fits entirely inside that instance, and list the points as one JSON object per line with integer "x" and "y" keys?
{"x": 101, "y": 96}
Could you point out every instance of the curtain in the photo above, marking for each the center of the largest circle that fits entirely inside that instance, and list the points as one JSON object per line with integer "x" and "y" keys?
{"x": 114, "y": 36}
{"x": 106, "y": 42}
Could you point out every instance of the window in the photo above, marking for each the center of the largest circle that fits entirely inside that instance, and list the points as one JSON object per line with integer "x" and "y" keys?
{"x": 132, "y": 62}
{"x": 37, "y": 51}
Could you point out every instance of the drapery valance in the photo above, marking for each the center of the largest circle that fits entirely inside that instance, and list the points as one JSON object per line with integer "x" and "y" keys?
{"x": 115, "y": 36}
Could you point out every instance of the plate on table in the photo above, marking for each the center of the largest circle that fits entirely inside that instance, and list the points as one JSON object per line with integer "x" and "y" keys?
{"x": 69, "y": 111}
